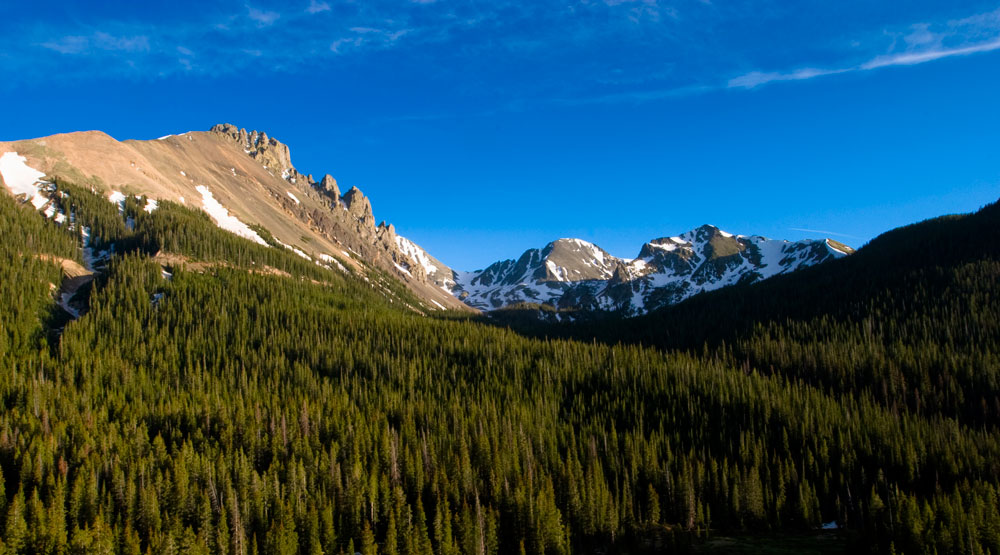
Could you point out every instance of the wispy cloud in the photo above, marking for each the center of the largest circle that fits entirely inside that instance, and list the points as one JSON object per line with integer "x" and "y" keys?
{"x": 72, "y": 44}
{"x": 262, "y": 17}
{"x": 923, "y": 46}
{"x": 367, "y": 36}
{"x": 644, "y": 10}
{"x": 323, "y": 29}
{"x": 582, "y": 52}
{"x": 912, "y": 58}
{"x": 923, "y": 43}
{"x": 75, "y": 44}
{"x": 757, "y": 78}
{"x": 317, "y": 7}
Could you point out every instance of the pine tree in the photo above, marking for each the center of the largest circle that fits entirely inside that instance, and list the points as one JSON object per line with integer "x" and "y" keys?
{"x": 368, "y": 546}
{"x": 653, "y": 505}
{"x": 16, "y": 528}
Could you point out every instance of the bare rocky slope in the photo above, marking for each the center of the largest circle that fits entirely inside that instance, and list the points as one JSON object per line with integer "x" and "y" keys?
{"x": 242, "y": 179}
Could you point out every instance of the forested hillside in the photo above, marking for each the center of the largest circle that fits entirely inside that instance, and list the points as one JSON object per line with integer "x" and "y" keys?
{"x": 224, "y": 397}
{"x": 911, "y": 320}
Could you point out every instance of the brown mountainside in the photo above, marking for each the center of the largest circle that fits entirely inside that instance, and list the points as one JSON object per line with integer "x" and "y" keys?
{"x": 249, "y": 174}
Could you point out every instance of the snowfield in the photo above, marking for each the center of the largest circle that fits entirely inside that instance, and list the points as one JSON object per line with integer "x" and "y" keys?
{"x": 21, "y": 178}
{"x": 223, "y": 219}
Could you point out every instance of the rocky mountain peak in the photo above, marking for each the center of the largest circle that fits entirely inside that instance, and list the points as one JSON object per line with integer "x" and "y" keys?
{"x": 328, "y": 185}
{"x": 354, "y": 227}
{"x": 706, "y": 230}
{"x": 575, "y": 260}
{"x": 270, "y": 153}
{"x": 359, "y": 206}
{"x": 657, "y": 247}
{"x": 387, "y": 230}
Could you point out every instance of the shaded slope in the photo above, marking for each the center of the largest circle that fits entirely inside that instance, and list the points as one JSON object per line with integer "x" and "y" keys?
{"x": 912, "y": 320}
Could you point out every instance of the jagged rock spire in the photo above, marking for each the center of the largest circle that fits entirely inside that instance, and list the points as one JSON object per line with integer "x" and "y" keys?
{"x": 359, "y": 206}
{"x": 271, "y": 153}
{"x": 328, "y": 185}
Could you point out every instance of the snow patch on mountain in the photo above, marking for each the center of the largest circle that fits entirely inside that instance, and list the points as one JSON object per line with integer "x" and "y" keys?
{"x": 329, "y": 260}
{"x": 118, "y": 198}
{"x": 409, "y": 248}
{"x": 223, "y": 219}
{"x": 294, "y": 249}
{"x": 403, "y": 269}
{"x": 437, "y": 273}
{"x": 22, "y": 179}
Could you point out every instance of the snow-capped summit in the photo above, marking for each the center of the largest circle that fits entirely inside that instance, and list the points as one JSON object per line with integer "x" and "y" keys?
{"x": 571, "y": 273}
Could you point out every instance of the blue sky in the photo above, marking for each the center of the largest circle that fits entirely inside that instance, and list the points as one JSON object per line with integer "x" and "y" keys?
{"x": 484, "y": 128}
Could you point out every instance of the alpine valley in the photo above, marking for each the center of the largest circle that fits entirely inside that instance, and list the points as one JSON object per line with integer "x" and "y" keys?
{"x": 204, "y": 351}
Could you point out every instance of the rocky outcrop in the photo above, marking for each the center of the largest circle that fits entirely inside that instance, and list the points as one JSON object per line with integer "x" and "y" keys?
{"x": 359, "y": 206}
{"x": 621, "y": 274}
{"x": 328, "y": 186}
{"x": 348, "y": 219}
{"x": 271, "y": 153}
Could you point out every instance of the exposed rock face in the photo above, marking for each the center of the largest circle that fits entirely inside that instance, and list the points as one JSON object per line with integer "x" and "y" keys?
{"x": 271, "y": 153}
{"x": 575, "y": 260}
{"x": 570, "y": 273}
{"x": 565, "y": 260}
{"x": 435, "y": 272}
{"x": 347, "y": 219}
{"x": 328, "y": 185}
{"x": 359, "y": 206}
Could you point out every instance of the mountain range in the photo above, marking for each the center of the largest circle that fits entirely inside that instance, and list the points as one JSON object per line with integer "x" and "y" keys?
{"x": 578, "y": 275}
{"x": 246, "y": 182}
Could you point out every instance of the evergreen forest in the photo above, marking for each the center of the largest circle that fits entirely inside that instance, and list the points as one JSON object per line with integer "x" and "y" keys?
{"x": 217, "y": 396}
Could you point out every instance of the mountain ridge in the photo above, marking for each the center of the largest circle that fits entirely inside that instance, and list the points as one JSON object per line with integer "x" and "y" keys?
{"x": 575, "y": 274}
{"x": 242, "y": 179}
